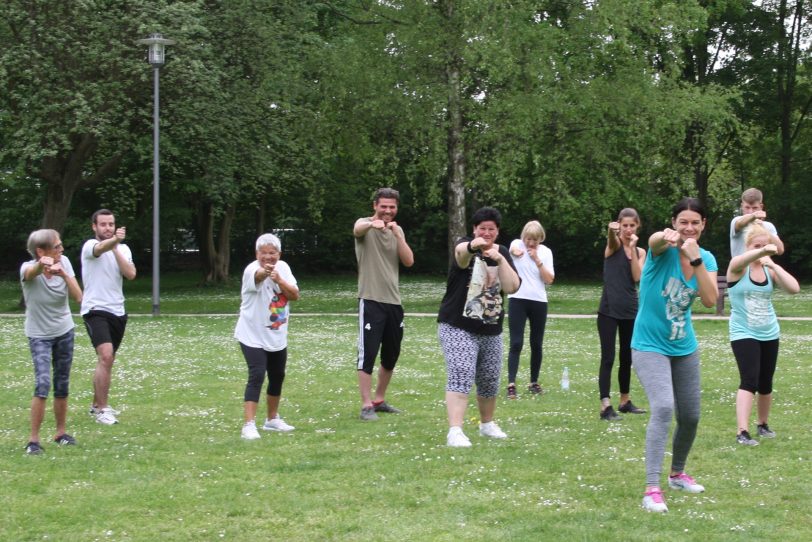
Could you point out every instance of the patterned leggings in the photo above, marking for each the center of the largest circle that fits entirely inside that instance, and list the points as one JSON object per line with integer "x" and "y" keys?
{"x": 470, "y": 358}
{"x": 56, "y": 353}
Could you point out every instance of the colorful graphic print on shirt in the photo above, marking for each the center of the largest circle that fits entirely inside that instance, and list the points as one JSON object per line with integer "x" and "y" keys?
{"x": 279, "y": 311}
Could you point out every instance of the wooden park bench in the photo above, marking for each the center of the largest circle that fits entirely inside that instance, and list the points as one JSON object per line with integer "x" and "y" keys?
{"x": 721, "y": 285}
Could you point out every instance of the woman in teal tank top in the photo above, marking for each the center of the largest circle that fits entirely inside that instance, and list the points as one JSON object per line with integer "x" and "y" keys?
{"x": 754, "y": 330}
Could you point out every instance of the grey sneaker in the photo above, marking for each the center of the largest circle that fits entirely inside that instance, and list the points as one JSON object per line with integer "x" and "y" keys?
{"x": 765, "y": 431}
{"x": 368, "y": 414}
{"x": 383, "y": 406}
{"x": 745, "y": 439}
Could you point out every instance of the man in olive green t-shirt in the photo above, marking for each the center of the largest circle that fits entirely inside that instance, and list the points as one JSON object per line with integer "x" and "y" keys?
{"x": 380, "y": 247}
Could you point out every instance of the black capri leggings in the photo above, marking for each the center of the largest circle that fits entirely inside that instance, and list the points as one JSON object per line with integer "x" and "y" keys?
{"x": 608, "y": 329}
{"x": 259, "y": 362}
{"x": 757, "y": 361}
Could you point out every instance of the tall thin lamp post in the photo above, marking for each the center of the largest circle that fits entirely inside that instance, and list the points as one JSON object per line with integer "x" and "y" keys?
{"x": 157, "y": 45}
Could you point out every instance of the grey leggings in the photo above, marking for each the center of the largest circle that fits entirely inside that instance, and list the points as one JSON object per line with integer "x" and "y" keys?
{"x": 671, "y": 384}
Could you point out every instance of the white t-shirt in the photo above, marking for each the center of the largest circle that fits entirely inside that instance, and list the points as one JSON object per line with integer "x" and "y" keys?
{"x": 264, "y": 311}
{"x": 47, "y": 314}
{"x": 102, "y": 279}
{"x": 532, "y": 288}
{"x": 737, "y": 242}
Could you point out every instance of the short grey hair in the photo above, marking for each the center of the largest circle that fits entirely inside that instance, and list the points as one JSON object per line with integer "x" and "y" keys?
{"x": 267, "y": 239}
{"x": 43, "y": 239}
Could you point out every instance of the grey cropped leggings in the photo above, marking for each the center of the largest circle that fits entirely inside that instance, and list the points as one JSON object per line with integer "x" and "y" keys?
{"x": 671, "y": 384}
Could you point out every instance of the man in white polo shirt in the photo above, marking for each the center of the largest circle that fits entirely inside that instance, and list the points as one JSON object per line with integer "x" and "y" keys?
{"x": 105, "y": 260}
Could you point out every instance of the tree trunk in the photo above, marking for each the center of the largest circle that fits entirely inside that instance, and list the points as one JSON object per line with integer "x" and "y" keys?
{"x": 261, "y": 215}
{"x": 56, "y": 207}
{"x": 788, "y": 53}
{"x": 66, "y": 173}
{"x": 456, "y": 150}
{"x": 215, "y": 249}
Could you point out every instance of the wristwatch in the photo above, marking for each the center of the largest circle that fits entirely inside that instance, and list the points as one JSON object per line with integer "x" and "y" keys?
{"x": 696, "y": 263}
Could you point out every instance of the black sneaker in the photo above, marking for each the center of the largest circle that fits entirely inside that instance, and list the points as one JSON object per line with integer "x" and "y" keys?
{"x": 610, "y": 415}
{"x": 383, "y": 406}
{"x": 629, "y": 408}
{"x": 535, "y": 389}
{"x": 33, "y": 448}
{"x": 65, "y": 440}
{"x": 765, "y": 431}
{"x": 511, "y": 392}
{"x": 745, "y": 439}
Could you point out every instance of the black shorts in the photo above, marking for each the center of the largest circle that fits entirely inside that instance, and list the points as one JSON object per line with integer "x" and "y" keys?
{"x": 380, "y": 329}
{"x": 105, "y": 327}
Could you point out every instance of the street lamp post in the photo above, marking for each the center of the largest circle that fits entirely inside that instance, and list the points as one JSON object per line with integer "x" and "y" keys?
{"x": 157, "y": 44}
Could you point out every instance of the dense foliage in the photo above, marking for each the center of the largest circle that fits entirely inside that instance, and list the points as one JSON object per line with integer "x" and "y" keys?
{"x": 285, "y": 115}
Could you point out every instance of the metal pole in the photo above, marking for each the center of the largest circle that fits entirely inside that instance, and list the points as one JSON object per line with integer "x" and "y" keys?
{"x": 156, "y": 202}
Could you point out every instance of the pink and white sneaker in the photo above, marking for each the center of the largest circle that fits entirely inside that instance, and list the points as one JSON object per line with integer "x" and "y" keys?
{"x": 653, "y": 501}
{"x": 683, "y": 482}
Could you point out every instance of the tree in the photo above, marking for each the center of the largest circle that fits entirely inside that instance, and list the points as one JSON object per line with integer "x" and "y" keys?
{"x": 72, "y": 87}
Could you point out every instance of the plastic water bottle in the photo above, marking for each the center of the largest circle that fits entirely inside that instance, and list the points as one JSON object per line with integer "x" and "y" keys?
{"x": 565, "y": 380}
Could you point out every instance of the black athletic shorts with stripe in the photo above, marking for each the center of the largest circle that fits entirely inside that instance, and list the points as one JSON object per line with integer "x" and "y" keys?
{"x": 380, "y": 327}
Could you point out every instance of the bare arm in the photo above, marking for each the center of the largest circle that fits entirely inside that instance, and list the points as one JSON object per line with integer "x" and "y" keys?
{"x": 290, "y": 290}
{"x": 738, "y": 265}
{"x": 708, "y": 290}
{"x": 779, "y": 244}
{"x": 637, "y": 262}
{"x": 363, "y": 225}
{"x": 56, "y": 269}
{"x": 661, "y": 240}
{"x": 404, "y": 251}
{"x": 612, "y": 240}
{"x": 73, "y": 288}
{"x": 781, "y": 277}
{"x": 545, "y": 273}
{"x": 126, "y": 267}
{"x": 745, "y": 220}
{"x": 508, "y": 278}
{"x": 461, "y": 253}
{"x": 706, "y": 280}
{"x": 33, "y": 270}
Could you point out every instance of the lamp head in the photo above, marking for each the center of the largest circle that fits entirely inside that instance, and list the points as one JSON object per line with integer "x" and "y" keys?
{"x": 157, "y": 45}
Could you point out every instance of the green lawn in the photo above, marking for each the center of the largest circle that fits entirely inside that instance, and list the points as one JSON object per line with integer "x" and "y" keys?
{"x": 181, "y": 293}
{"x": 176, "y": 469}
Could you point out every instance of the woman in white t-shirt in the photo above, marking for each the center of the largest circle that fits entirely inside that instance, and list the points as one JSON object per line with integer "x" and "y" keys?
{"x": 262, "y": 330}
{"x": 534, "y": 263}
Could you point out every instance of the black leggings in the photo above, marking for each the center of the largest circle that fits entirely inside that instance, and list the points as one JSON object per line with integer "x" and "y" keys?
{"x": 259, "y": 362}
{"x": 756, "y": 361}
{"x": 608, "y": 328}
{"x": 521, "y": 310}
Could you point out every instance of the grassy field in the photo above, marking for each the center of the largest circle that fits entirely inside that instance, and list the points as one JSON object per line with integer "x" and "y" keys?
{"x": 181, "y": 293}
{"x": 176, "y": 469}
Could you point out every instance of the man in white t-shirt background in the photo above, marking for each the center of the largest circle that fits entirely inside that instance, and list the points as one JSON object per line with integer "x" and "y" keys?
{"x": 105, "y": 260}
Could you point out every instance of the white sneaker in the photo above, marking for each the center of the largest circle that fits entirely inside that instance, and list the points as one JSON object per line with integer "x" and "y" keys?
{"x": 106, "y": 416}
{"x": 457, "y": 439}
{"x": 277, "y": 424}
{"x": 94, "y": 410}
{"x": 491, "y": 430}
{"x": 685, "y": 483}
{"x": 653, "y": 501}
{"x": 249, "y": 431}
